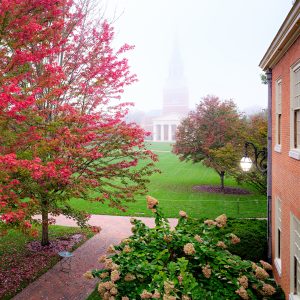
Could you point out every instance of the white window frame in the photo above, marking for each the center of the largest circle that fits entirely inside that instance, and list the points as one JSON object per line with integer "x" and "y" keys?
{"x": 278, "y": 237}
{"x": 294, "y": 151}
{"x": 278, "y": 112}
{"x": 294, "y": 252}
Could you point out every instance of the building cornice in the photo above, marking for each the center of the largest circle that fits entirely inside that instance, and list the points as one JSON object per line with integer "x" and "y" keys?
{"x": 285, "y": 37}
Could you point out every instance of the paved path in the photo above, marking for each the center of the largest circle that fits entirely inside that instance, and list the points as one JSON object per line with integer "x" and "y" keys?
{"x": 57, "y": 285}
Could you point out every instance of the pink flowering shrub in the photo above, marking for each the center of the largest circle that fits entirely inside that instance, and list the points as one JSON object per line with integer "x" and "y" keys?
{"x": 165, "y": 263}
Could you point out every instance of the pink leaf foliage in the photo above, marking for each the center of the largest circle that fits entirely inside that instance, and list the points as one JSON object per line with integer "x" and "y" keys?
{"x": 63, "y": 133}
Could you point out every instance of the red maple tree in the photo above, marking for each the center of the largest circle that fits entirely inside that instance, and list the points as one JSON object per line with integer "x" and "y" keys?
{"x": 213, "y": 133}
{"x": 62, "y": 133}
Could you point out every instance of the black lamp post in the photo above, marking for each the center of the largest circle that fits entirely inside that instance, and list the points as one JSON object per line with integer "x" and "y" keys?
{"x": 260, "y": 160}
{"x": 260, "y": 157}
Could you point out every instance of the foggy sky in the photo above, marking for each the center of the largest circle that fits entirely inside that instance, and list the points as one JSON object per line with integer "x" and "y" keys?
{"x": 221, "y": 43}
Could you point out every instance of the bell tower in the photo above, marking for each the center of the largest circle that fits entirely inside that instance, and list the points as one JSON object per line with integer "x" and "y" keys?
{"x": 175, "y": 100}
{"x": 175, "y": 94}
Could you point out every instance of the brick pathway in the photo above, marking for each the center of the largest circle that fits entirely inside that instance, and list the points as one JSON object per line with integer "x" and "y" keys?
{"x": 57, "y": 285}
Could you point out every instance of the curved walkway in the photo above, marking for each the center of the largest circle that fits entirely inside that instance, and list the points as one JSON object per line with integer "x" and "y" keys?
{"x": 57, "y": 285}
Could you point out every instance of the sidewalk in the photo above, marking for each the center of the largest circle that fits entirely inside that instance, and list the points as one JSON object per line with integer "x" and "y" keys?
{"x": 57, "y": 285}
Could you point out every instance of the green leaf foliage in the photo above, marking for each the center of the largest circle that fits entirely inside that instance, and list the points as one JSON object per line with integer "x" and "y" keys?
{"x": 212, "y": 133}
{"x": 191, "y": 261}
{"x": 252, "y": 232}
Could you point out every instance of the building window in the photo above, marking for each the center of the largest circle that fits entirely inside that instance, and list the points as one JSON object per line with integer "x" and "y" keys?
{"x": 295, "y": 112}
{"x": 297, "y": 128}
{"x": 277, "y": 260}
{"x": 296, "y": 276}
{"x": 295, "y": 257}
{"x": 279, "y": 129}
{"x": 278, "y": 112}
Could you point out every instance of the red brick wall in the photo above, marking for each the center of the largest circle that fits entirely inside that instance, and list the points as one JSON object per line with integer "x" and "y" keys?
{"x": 285, "y": 170}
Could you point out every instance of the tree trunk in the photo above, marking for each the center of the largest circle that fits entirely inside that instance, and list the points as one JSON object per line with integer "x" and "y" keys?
{"x": 45, "y": 237}
{"x": 222, "y": 174}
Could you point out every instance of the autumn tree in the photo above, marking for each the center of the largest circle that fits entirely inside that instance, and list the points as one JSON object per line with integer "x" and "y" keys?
{"x": 212, "y": 134}
{"x": 256, "y": 132}
{"x": 63, "y": 134}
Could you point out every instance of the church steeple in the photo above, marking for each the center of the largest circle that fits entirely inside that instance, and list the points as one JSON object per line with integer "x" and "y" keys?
{"x": 175, "y": 90}
{"x": 176, "y": 70}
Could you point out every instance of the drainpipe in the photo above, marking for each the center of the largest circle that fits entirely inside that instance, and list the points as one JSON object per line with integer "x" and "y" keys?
{"x": 269, "y": 171}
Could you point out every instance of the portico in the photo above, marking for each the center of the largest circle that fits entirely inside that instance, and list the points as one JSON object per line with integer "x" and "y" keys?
{"x": 164, "y": 128}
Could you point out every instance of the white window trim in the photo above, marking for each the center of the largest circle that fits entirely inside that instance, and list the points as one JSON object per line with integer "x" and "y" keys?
{"x": 278, "y": 225}
{"x": 294, "y": 152}
{"x": 277, "y": 148}
{"x": 293, "y": 297}
{"x": 277, "y": 111}
{"x": 293, "y": 220}
{"x": 277, "y": 263}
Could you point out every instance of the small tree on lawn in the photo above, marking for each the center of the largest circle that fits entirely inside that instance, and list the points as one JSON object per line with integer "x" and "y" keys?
{"x": 212, "y": 133}
{"x": 62, "y": 136}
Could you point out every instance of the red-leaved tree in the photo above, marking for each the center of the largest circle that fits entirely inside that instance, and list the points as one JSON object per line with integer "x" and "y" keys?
{"x": 213, "y": 133}
{"x": 62, "y": 134}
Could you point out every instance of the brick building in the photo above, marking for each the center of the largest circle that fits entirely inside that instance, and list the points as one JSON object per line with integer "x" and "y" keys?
{"x": 282, "y": 64}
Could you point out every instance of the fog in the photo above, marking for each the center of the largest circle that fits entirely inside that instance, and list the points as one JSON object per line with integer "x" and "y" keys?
{"x": 221, "y": 44}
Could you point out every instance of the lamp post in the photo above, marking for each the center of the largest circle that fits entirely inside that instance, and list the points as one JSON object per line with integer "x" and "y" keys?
{"x": 260, "y": 157}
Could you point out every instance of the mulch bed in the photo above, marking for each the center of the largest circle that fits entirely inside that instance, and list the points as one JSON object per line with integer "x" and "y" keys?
{"x": 57, "y": 245}
{"x": 25, "y": 266}
{"x": 218, "y": 190}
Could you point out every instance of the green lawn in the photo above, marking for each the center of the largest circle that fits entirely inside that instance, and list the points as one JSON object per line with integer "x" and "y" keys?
{"x": 19, "y": 266}
{"x": 173, "y": 189}
{"x": 94, "y": 295}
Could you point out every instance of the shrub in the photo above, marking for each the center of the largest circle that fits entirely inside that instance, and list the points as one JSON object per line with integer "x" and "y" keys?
{"x": 252, "y": 232}
{"x": 173, "y": 263}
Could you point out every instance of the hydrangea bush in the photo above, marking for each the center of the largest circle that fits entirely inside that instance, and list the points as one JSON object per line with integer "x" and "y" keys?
{"x": 170, "y": 263}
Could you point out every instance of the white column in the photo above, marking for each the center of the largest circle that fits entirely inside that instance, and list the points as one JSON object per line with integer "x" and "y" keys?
{"x": 154, "y": 132}
{"x": 162, "y": 132}
{"x": 170, "y": 132}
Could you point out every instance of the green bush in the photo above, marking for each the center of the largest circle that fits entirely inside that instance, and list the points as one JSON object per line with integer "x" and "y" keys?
{"x": 252, "y": 232}
{"x": 169, "y": 264}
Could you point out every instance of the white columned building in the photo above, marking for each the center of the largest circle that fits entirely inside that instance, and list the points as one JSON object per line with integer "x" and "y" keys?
{"x": 164, "y": 128}
{"x": 175, "y": 101}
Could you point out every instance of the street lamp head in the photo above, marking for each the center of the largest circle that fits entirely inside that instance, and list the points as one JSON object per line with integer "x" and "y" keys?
{"x": 246, "y": 163}
{"x": 260, "y": 157}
